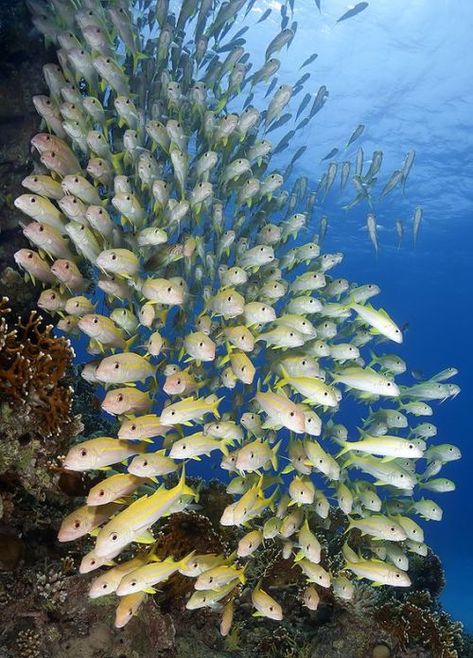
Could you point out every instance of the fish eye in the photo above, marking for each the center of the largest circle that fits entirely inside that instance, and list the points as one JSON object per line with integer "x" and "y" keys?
{"x": 114, "y": 536}
{"x": 41, "y": 229}
{"x": 30, "y": 255}
{"x": 173, "y": 413}
{"x": 101, "y": 493}
{"x": 108, "y": 60}
{"x": 77, "y": 524}
{"x": 292, "y": 414}
{"x": 116, "y": 365}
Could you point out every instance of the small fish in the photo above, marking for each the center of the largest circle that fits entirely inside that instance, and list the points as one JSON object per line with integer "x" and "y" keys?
{"x": 265, "y": 605}
{"x": 394, "y": 180}
{"x": 416, "y": 222}
{"x": 372, "y": 231}
{"x": 284, "y": 38}
{"x": 330, "y": 154}
{"x": 406, "y": 168}
{"x": 264, "y": 16}
{"x": 357, "y": 9}
{"x": 359, "y": 130}
{"x": 309, "y": 60}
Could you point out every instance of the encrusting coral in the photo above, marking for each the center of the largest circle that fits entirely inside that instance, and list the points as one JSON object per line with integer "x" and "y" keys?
{"x": 156, "y": 188}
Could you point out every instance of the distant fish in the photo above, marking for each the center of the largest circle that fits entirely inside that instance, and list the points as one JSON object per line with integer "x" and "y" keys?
{"x": 284, "y": 38}
{"x": 284, "y": 143}
{"x": 235, "y": 43}
{"x": 302, "y": 80}
{"x": 309, "y": 60}
{"x": 302, "y": 124}
{"x": 399, "y": 231}
{"x": 417, "y": 374}
{"x": 372, "y": 231}
{"x": 241, "y": 32}
{"x": 323, "y": 226}
{"x": 345, "y": 173}
{"x": 300, "y": 151}
{"x": 354, "y": 11}
{"x": 418, "y": 214}
{"x": 319, "y": 101}
{"x": 331, "y": 154}
{"x": 284, "y": 17}
{"x": 271, "y": 86}
{"x": 360, "y": 156}
{"x": 264, "y": 16}
{"x": 394, "y": 179}
{"x": 249, "y": 7}
{"x": 304, "y": 103}
{"x": 356, "y": 133}
{"x": 280, "y": 122}
{"x": 407, "y": 166}
{"x": 248, "y": 100}
{"x": 317, "y": 2}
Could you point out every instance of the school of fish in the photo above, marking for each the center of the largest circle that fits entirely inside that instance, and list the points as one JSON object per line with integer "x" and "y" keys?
{"x": 162, "y": 237}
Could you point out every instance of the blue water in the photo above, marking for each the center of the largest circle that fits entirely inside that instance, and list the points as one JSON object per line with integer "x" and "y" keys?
{"x": 404, "y": 69}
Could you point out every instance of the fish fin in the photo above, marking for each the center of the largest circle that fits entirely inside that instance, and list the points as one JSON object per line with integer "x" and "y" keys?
{"x": 185, "y": 489}
{"x": 274, "y": 456}
{"x": 144, "y": 538}
{"x": 129, "y": 342}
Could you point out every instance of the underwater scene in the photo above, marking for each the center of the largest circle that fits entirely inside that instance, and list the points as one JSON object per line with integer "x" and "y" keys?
{"x": 235, "y": 365}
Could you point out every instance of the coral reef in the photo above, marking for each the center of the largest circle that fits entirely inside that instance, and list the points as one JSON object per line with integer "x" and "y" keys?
{"x": 414, "y": 622}
{"x": 36, "y": 419}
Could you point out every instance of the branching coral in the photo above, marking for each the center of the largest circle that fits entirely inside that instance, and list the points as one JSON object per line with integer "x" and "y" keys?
{"x": 36, "y": 418}
{"x": 414, "y": 622}
{"x": 33, "y": 364}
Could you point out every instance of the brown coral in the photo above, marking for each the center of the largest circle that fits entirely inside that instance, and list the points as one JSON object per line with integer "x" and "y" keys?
{"x": 183, "y": 533}
{"x": 32, "y": 366}
{"x": 413, "y": 622}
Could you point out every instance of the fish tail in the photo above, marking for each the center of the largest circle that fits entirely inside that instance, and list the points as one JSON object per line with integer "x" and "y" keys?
{"x": 183, "y": 487}
{"x": 129, "y": 342}
{"x": 215, "y": 407}
{"x": 346, "y": 448}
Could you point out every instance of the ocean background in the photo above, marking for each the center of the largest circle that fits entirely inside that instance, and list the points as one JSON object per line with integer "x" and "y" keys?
{"x": 404, "y": 69}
